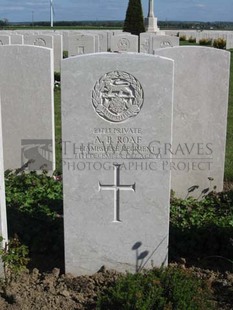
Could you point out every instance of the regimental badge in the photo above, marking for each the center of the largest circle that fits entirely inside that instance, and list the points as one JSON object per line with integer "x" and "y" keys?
{"x": 117, "y": 96}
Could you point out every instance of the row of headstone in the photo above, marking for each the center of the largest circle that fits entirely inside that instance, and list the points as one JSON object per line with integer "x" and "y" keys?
{"x": 133, "y": 123}
{"x": 134, "y": 127}
{"x": 114, "y": 42}
{"x": 85, "y": 42}
{"x": 121, "y": 41}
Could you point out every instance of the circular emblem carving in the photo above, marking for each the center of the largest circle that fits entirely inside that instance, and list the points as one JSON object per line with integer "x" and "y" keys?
{"x": 123, "y": 44}
{"x": 117, "y": 96}
{"x": 40, "y": 42}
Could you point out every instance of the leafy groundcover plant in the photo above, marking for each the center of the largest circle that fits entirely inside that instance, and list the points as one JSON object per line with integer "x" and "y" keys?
{"x": 35, "y": 214}
{"x": 157, "y": 289}
{"x": 202, "y": 230}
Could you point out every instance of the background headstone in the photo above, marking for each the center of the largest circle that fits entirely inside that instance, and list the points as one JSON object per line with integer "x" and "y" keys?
{"x": 58, "y": 52}
{"x": 200, "y": 118}
{"x": 4, "y": 40}
{"x": 16, "y": 39}
{"x": 164, "y": 41}
{"x": 150, "y": 41}
{"x": 229, "y": 43}
{"x": 115, "y": 109}
{"x": 3, "y": 217}
{"x": 81, "y": 44}
{"x": 51, "y": 41}
{"x": 26, "y": 85}
{"x": 124, "y": 43}
{"x": 39, "y": 40}
{"x": 146, "y": 43}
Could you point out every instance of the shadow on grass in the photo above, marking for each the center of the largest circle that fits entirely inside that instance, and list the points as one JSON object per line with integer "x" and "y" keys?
{"x": 207, "y": 247}
{"x": 43, "y": 236}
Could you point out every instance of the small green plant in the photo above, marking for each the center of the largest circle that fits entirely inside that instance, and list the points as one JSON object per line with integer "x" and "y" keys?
{"x": 35, "y": 212}
{"x": 219, "y": 43}
{"x": 192, "y": 40}
{"x": 156, "y": 289}
{"x": 14, "y": 256}
{"x": 57, "y": 76}
{"x": 65, "y": 54}
{"x": 202, "y": 228}
{"x": 57, "y": 81}
{"x": 206, "y": 42}
{"x": 36, "y": 194}
{"x": 183, "y": 38}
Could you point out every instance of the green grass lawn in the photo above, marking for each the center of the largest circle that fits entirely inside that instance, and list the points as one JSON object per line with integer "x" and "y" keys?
{"x": 187, "y": 43}
{"x": 229, "y": 146}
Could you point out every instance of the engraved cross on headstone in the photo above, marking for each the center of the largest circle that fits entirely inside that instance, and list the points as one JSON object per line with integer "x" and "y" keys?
{"x": 117, "y": 187}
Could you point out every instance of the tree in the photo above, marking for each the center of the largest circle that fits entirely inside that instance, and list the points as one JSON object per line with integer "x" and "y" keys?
{"x": 134, "y": 21}
{"x": 4, "y": 22}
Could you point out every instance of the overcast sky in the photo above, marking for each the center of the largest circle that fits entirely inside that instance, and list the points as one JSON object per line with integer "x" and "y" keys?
{"x": 185, "y": 10}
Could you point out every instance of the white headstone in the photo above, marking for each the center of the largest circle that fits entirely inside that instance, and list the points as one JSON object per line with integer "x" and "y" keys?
{"x": 50, "y": 41}
{"x": 3, "y": 217}
{"x": 26, "y": 86}
{"x": 229, "y": 43}
{"x": 16, "y": 39}
{"x": 103, "y": 41}
{"x": 146, "y": 43}
{"x": 200, "y": 118}
{"x": 4, "y": 40}
{"x": 58, "y": 52}
{"x": 39, "y": 40}
{"x": 149, "y": 42}
{"x": 124, "y": 43}
{"x": 116, "y": 195}
{"x": 164, "y": 41}
{"x": 81, "y": 44}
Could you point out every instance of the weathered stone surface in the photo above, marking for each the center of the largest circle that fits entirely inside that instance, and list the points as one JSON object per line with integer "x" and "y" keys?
{"x": 150, "y": 42}
{"x": 4, "y": 40}
{"x": 3, "y": 217}
{"x": 58, "y": 51}
{"x": 124, "y": 43}
{"x": 116, "y": 193}
{"x": 200, "y": 118}
{"x": 164, "y": 41}
{"x": 26, "y": 83}
{"x": 16, "y": 39}
{"x": 39, "y": 40}
{"x": 81, "y": 44}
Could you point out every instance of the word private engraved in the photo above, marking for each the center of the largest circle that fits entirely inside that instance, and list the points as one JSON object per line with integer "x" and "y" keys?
{"x": 117, "y": 96}
{"x": 117, "y": 187}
